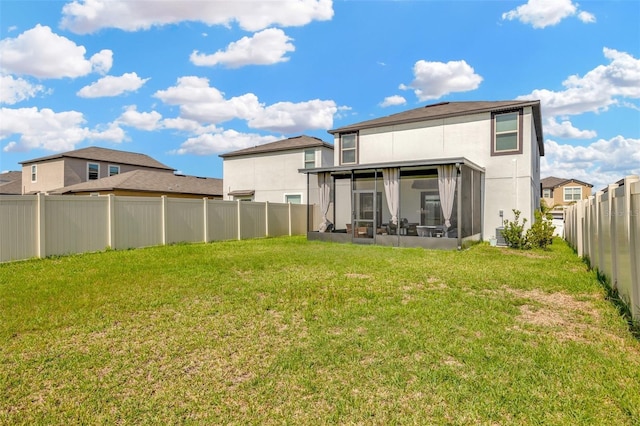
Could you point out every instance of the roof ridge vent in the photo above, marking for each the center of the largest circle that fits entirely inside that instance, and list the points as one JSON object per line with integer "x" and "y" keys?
{"x": 438, "y": 104}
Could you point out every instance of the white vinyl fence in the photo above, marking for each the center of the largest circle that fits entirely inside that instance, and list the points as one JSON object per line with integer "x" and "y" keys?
{"x": 605, "y": 228}
{"x": 44, "y": 225}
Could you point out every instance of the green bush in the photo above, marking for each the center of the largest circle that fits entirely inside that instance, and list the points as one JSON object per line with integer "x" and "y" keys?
{"x": 540, "y": 235}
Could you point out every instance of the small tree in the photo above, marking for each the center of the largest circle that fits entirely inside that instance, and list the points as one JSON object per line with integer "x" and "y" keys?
{"x": 513, "y": 231}
{"x": 540, "y": 235}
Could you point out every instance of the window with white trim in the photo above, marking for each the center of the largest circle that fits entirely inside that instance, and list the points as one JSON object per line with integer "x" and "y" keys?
{"x": 546, "y": 193}
{"x": 348, "y": 148}
{"x": 93, "y": 171}
{"x": 309, "y": 158}
{"x": 572, "y": 193}
{"x": 506, "y": 137}
{"x": 114, "y": 170}
{"x": 293, "y": 198}
{"x": 34, "y": 173}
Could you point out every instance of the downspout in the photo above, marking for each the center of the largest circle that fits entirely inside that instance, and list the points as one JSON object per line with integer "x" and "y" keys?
{"x": 459, "y": 199}
{"x": 308, "y": 218}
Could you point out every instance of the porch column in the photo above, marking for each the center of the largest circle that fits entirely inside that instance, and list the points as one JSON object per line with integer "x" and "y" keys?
{"x": 459, "y": 197}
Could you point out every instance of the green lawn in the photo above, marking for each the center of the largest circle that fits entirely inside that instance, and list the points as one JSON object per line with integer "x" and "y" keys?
{"x": 285, "y": 331}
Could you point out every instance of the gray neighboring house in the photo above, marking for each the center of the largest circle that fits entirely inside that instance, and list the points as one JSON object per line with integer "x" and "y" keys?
{"x": 11, "y": 183}
{"x": 269, "y": 172}
{"x": 82, "y": 165}
{"x": 147, "y": 183}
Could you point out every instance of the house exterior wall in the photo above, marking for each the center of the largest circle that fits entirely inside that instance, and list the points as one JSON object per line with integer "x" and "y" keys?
{"x": 511, "y": 181}
{"x": 272, "y": 175}
{"x": 50, "y": 175}
{"x": 558, "y": 194}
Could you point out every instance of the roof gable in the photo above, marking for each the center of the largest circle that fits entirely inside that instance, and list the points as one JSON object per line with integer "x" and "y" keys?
{"x": 296, "y": 142}
{"x": 552, "y": 182}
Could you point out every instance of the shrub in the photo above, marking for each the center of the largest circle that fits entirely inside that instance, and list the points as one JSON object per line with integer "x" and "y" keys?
{"x": 513, "y": 231}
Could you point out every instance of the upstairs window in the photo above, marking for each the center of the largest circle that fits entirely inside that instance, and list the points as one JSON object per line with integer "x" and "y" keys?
{"x": 572, "y": 193}
{"x": 93, "y": 171}
{"x": 293, "y": 198}
{"x": 507, "y": 135}
{"x": 114, "y": 170}
{"x": 349, "y": 148}
{"x": 34, "y": 173}
{"x": 546, "y": 193}
{"x": 309, "y": 159}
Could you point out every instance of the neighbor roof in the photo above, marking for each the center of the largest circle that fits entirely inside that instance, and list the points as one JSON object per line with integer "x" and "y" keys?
{"x": 295, "y": 142}
{"x": 554, "y": 182}
{"x": 11, "y": 183}
{"x": 149, "y": 181}
{"x": 107, "y": 155}
{"x": 446, "y": 110}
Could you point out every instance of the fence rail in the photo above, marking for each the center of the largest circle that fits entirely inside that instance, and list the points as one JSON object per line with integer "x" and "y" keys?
{"x": 605, "y": 228}
{"x": 43, "y": 225}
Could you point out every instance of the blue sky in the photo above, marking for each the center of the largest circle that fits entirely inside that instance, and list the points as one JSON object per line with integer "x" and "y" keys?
{"x": 184, "y": 81}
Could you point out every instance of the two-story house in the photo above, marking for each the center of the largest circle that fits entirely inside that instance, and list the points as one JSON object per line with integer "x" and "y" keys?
{"x": 562, "y": 191}
{"x": 269, "y": 172}
{"x": 82, "y": 165}
{"x": 436, "y": 176}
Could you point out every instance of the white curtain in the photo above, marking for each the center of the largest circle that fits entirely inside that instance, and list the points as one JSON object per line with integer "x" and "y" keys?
{"x": 324, "y": 193}
{"x": 447, "y": 190}
{"x": 391, "y": 178}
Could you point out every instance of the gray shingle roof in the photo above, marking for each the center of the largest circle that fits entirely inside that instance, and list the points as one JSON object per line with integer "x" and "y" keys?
{"x": 149, "y": 181}
{"x": 446, "y": 110}
{"x": 107, "y": 155}
{"x": 11, "y": 183}
{"x": 296, "y": 142}
{"x": 554, "y": 182}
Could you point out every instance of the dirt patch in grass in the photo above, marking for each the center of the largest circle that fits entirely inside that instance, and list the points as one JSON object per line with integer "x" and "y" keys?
{"x": 560, "y": 313}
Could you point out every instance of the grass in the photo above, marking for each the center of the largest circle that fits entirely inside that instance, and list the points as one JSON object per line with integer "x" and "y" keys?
{"x": 285, "y": 331}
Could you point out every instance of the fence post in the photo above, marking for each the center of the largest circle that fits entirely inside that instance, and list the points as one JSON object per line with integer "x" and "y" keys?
{"x": 111, "y": 221}
{"x": 239, "y": 221}
{"x": 41, "y": 247}
{"x": 613, "y": 218}
{"x": 266, "y": 218}
{"x": 163, "y": 200}
{"x": 579, "y": 218}
{"x": 205, "y": 213}
{"x": 290, "y": 219}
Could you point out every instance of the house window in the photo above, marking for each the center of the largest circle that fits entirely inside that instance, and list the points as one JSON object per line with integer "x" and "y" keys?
{"x": 293, "y": 198}
{"x": 34, "y": 173}
{"x": 309, "y": 158}
{"x": 114, "y": 170}
{"x": 507, "y": 138}
{"x": 348, "y": 148}
{"x": 546, "y": 193}
{"x": 572, "y": 193}
{"x": 93, "y": 171}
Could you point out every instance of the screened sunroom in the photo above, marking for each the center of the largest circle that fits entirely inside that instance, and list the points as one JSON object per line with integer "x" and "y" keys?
{"x": 427, "y": 204}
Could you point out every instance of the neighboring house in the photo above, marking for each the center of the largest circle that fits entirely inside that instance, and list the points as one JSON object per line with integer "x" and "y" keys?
{"x": 557, "y": 193}
{"x": 11, "y": 183}
{"x": 562, "y": 191}
{"x": 148, "y": 183}
{"x": 82, "y": 165}
{"x": 269, "y": 172}
{"x": 436, "y": 176}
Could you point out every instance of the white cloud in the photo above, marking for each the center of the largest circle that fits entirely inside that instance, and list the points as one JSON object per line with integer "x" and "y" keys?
{"x": 112, "y": 86}
{"x": 288, "y": 117}
{"x": 264, "y": 48}
{"x": 252, "y": 15}
{"x": 47, "y": 129}
{"x": 566, "y": 130}
{"x": 188, "y": 126}
{"x": 14, "y": 90}
{"x": 41, "y": 53}
{"x": 544, "y": 13}
{"x": 601, "y": 163}
{"x": 393, "y": 100}
{"x": 140, "y": 120}
{"x": 436, "y": 79}
{"x": 224, "y": 141}
{"x": 597, "y": 90}
{"x": 207, "y": 105}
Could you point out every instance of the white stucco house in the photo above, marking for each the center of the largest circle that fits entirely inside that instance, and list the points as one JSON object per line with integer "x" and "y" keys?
{"x": 438, "y": 176}
{"x": 269, "y": 172}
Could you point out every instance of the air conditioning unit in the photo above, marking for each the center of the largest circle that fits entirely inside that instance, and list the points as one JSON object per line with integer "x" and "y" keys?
{"x": 500, "y": 241}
